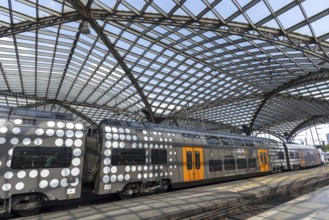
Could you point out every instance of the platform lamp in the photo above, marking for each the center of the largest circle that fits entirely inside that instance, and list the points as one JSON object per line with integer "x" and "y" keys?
{"x": 84, "y": 28}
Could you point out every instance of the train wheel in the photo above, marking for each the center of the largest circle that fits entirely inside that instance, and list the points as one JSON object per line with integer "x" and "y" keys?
{"x": 129, "y": 191}
{"x": 27, "y": 205}
{"x": 28, "y": 212}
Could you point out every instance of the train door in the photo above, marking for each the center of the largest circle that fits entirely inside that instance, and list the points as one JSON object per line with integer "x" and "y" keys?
{"x": 263, "y": 160}
{"x": 193, "y": 163}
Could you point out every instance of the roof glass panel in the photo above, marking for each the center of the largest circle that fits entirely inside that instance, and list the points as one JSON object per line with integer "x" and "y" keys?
{"x": 291, "y": 17}
{"x": 276, "y": 5}
{"x": 314, "y": 7}
{"x": 258, "y": 12}
{"x": 319, "y": 26}
{"x": 166, "y": 6}
{"x": 243, "y": 3}
{"x": 226, "y": 8}
{"x": 194, "y": 6}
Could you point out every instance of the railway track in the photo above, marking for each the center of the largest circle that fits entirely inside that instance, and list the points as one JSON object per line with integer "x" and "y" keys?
{"x": 252, "y": 206}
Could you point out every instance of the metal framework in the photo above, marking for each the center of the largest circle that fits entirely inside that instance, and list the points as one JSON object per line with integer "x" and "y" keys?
{"x": 237, "y": 65}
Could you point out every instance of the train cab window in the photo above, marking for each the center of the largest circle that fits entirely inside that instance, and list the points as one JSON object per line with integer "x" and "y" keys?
{"x": 252, "y": 163}
{"x": 189, "y": 160}
{"x": 197, "y": 159}
{"x": 128, "y": 156}
{"x": 226, "y": 141}
{"x": 159, "y": 156}
{"x": 41, "y": 157}
{"x": 242, "y": 163}
{"x": 215, "y": 165}
{"x": 229, "y": 164}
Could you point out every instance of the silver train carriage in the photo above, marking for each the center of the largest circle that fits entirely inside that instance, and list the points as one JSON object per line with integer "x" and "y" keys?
{"x": 134, "y": 158}
{"x": 41, "y": 159}
{"x": 302, "y": 156}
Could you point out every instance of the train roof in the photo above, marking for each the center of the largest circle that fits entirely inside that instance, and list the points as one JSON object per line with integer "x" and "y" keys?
{"x": 291, "y": 144}
{"x": 7, "y": 112}
{"x": 161, "y": 127}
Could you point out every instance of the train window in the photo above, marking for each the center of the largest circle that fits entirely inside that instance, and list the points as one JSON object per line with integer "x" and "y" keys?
{"x": 186, "y": 135}
{"x": 189, "y": 160}
{"x": 226, "y": 141}
{"x": 229, "y": 164}
{"x": 252, "y": 163}
{"x": 215, "y": 165}
{"x": 238, "y": 142}
{"x": 41, "y": 157}
{"x": 197, "y": 160}
{"x": 212, "y": 140}
{"x": 294, "y": 154}
{"x": 128, "y": 156}
{"x": 280, "y": 155}
{"x": 134, "y": 124}
{"x": 265, "y": 158}
{"x": 159, "y": 156}
{"x": 249, "y": 143}
{"x": 111, "y": 122}
{"x": 29, "y": 121}
{"x": 261, "y": 158}
{"x": 242, "y": 163}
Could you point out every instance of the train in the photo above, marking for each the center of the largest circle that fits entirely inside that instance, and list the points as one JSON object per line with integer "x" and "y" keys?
{"x": 47, "y": 156}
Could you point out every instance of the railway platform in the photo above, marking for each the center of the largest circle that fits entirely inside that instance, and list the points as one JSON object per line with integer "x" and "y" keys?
{"x": 194, "y": 201}
{"x": 313, "y": 205}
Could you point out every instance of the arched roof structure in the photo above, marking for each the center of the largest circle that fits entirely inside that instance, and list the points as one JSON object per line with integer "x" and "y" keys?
{"x": 259, "y": 65}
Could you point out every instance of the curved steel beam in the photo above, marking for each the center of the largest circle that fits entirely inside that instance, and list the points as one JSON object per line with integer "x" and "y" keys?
{"x": 83, "y": 10}
{"x": 214, "y": 103}
{"x": 312, "y": 121}
{"x": 74, "y": 111}
{"x": 291, "y": 40}
{"x": 257, "y": 112}
{"x": 276, "y": 36}
{"x": 311, "y": 77}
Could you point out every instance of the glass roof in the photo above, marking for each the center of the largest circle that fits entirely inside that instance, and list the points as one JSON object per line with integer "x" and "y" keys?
{"x": 239, "y": 64}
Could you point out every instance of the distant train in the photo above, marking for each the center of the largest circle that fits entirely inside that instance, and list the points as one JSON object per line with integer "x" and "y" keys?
{"x": 46, "y": 156}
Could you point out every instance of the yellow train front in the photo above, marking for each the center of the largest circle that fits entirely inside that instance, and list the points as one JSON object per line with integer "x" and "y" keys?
{"x": 135, "y": 158}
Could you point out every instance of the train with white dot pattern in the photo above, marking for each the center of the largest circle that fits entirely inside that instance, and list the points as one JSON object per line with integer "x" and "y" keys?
{"x": 47, "y": 156}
